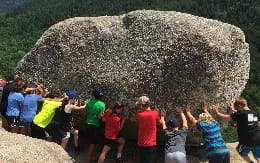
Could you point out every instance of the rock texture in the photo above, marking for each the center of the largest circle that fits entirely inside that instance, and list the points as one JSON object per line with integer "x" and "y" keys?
{"x": 16, "y": 148}
{"x": 173, "y": 57}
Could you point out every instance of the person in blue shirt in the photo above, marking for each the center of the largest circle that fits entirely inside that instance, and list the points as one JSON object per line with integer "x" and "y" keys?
{"x": 30, "y": 106}
{"x": 15, "y": 101}
{"x": 214, "y": 144}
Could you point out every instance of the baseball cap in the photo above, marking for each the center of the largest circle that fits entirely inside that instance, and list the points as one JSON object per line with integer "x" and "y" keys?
{"x": 173, "y": 122}
{"x": 71, "y": 94}
{"x": 98, "y": 92}
{"x": 143, "y": 100}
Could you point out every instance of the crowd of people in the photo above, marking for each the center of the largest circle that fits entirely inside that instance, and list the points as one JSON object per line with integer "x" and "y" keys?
{"x": 41, "y": 114}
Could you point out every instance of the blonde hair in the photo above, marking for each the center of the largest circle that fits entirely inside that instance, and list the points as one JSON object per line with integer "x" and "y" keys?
{"x": 240, "y": 103}
{"x": 38, "y": 91}
{"x": 204, "y": 117}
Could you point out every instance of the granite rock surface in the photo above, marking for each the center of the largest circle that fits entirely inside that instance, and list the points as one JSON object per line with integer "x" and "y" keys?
{"x": 17, "y": 148}
{"x": 174, "y": 58}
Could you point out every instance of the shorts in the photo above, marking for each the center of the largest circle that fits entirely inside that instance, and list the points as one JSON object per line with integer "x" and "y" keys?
{"x": 94, "y": 134}
{"x": 220, "y": 157}
{"x": 25, "y": 124}
{"x": 12, "y": 121}
{"x": 178, "y": 157}
{"x": 110, "y": 142}
{"x": 59, "y": 131}
{"x": 39, "y": 132}
{"x": 147, "y": 154}
{"x": 243, "y": 150}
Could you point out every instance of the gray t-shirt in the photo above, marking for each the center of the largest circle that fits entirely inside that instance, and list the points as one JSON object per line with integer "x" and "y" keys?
{"x": 175, "y": 140}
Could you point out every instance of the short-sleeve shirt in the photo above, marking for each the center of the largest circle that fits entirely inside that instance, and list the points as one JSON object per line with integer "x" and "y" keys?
{"x": 94, "y": 108}
{"x": 30, "y": 106}
{"x": 175, "y": 140}
{"x": 45, "y": 116}
{"x": 15, "y": 100}
{"x": 112, "y": 124}
{"x": 247, "y": 127}
{"x": 147, "y": 121}
{"x": 213, "y": 141}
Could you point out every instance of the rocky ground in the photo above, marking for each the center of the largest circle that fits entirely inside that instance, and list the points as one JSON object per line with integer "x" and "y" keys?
{"x": 195, "y": 155}
{"x": 27, "y": 150}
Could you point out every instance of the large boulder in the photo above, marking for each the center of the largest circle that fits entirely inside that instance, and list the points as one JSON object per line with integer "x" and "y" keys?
{"x": 173, "y": 57}
{"x": 16, "y": 148}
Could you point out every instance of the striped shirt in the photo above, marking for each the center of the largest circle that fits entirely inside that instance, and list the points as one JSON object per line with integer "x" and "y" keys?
{"x": 213, "y": 141}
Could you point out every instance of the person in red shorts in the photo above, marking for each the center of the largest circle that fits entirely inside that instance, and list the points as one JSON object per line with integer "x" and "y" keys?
{"x": 114, "y": 122}
{"x": 147, "y": 121}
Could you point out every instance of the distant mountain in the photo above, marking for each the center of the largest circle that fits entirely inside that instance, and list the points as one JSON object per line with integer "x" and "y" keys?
{"x": 11, "y": 4}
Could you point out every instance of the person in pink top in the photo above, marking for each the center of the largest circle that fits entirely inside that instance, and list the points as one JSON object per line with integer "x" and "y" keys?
{"x": 147, "y": 121}
{"x": 3, "y": 82}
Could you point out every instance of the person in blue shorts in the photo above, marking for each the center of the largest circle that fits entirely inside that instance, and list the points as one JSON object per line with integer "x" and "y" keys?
{"x": 214, "y": 144}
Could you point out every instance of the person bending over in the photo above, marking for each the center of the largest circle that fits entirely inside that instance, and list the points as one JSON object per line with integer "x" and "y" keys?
{"x": 247, "y": 128}
{"x": 214, "y": 144}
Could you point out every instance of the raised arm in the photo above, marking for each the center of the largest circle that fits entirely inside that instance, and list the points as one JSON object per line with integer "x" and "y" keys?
{"x": 205, "y": 109}
{"x": 190, "y": 116}
{"x": 221, "y": 115}
{"x": 183, "y": 118}
{"x": 163, "y": 115}
{"x": 231, "y": 106}
{"x": 75, "y": 107}
{"x": 123, "y": 122}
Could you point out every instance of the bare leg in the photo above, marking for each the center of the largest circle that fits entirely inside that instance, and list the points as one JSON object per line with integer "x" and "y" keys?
{"x": 258, "y": 160}
{"x": 103, "y": 154}
{"x": 64, "y": 142}
{"x": 121, "y": 144}
{"x": 90, "y": 153}
{"x": 49, "y": 139}
{"x": 76, "y": 137}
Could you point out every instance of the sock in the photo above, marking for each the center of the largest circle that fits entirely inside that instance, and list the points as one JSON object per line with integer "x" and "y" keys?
{"x": 119, "y": 155}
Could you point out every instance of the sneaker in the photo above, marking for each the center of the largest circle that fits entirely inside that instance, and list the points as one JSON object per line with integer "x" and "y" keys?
{"x": 119, "y": 160}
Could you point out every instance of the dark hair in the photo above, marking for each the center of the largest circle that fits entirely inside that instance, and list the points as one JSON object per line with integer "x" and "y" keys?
{"x": 240, "y": 102}
{"x": 53, "y": 94}
{"x": 65, "y": 102}
{"x": 18, "y": 86}
{"x": 117, "y": 105}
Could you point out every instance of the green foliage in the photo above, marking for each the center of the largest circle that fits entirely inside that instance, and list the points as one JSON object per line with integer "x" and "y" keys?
{"x": 22, "y": 27}
{"x": 230, "y": 133}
